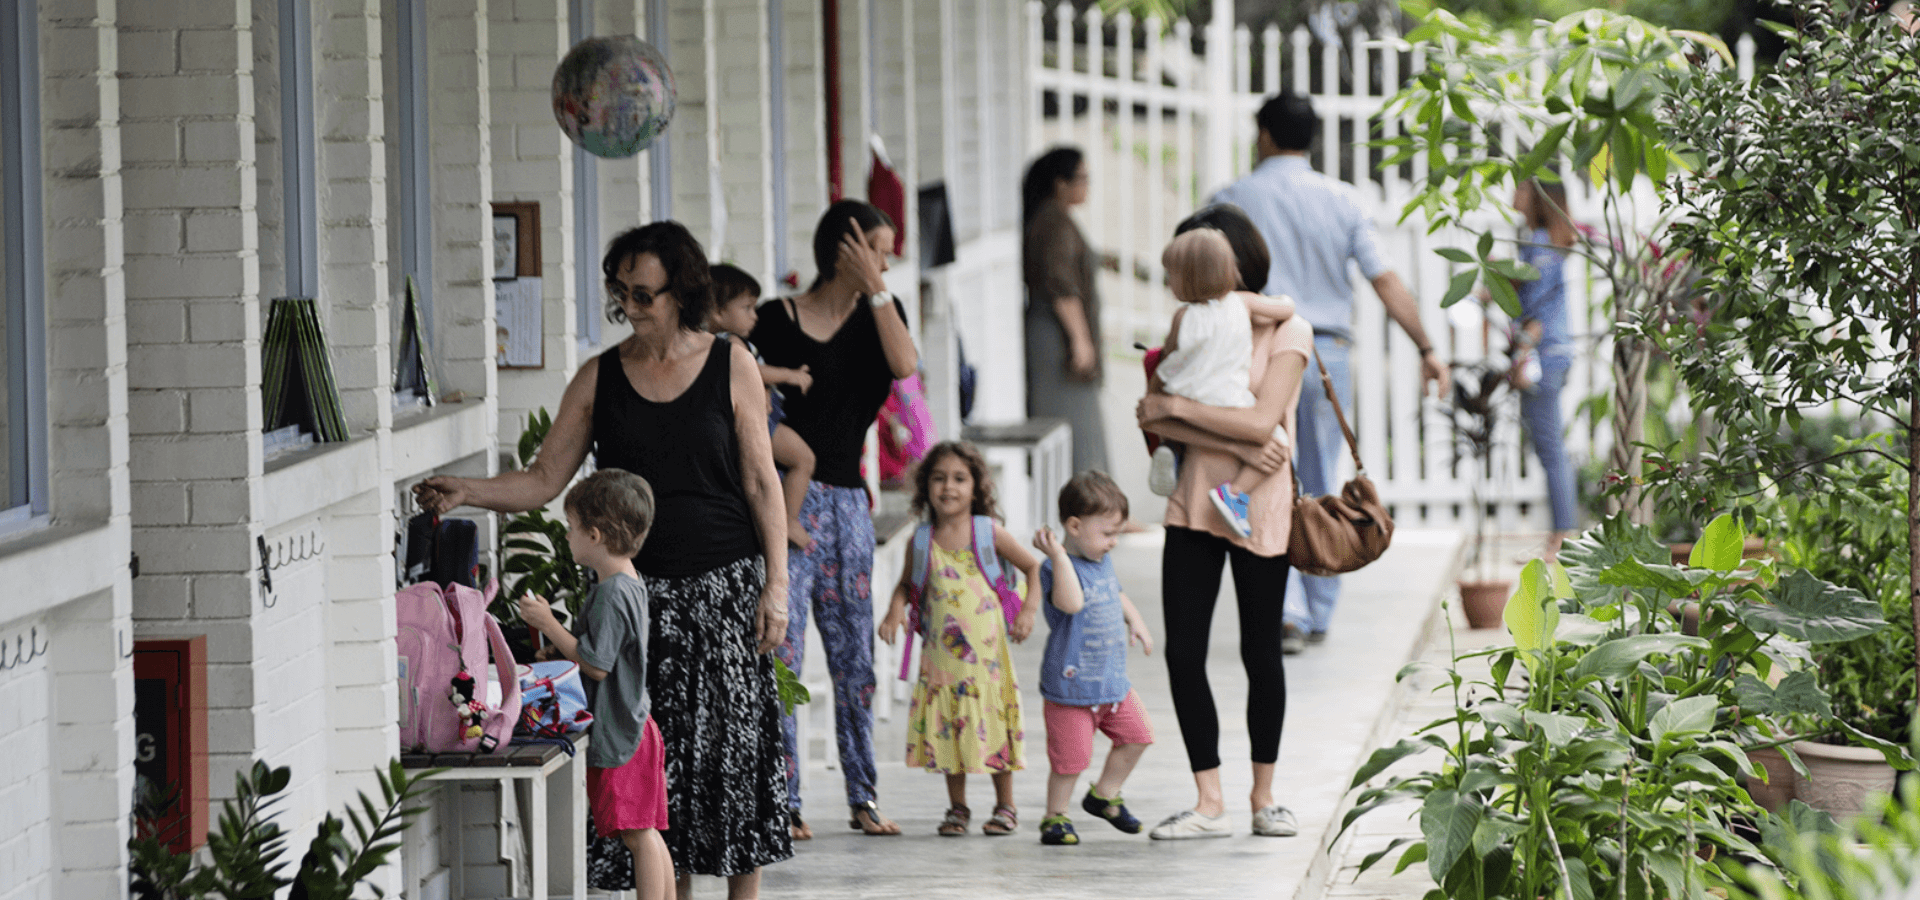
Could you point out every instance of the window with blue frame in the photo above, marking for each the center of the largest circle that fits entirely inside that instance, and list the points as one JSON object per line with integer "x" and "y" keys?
{"x": 23, "y": 387}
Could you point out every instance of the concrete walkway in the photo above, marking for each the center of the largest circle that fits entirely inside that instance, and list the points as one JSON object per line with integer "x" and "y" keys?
{"x": 1342, "y": 703}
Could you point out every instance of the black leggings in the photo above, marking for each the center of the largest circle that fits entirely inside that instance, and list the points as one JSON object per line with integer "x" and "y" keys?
{"x": 1190, "y": 569}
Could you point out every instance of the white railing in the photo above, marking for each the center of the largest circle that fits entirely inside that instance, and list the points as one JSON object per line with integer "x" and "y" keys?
{"x": 1166, "y": 121}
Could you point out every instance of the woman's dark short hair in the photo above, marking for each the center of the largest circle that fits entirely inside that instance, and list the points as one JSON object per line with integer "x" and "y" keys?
{"x": 1249, "y": 248}
{"x": 730, "y": 281}
{"x": 1092, "y": 493}
{"x": 680, "y": 254}
{"x": 835, "y": 224}
{"x": 1289, "y": 120}
{"x": 1044, "y": 176}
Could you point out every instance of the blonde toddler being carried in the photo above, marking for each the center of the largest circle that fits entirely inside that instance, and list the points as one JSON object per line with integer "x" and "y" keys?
{"x": 1209, "y": 352}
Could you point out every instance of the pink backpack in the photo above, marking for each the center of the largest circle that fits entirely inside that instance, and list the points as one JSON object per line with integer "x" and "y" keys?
{"x": 906, "y": 429}
{"x": 444, "y": 637}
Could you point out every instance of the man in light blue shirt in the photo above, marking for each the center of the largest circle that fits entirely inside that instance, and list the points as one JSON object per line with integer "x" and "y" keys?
{"x": 1313, "y": 226}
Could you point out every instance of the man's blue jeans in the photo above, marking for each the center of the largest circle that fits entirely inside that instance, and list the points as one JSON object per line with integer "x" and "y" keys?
{"x": 1318, "y": 449}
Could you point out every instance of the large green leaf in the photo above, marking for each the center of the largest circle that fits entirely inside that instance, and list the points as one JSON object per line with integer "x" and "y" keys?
{"x": 1559, "y": 728}
{"x": 1532, "y": 615}
{"x": 1640, "y": 576}
{"x": 1809, "y": 609}
{"x": 1684, "y": 716}
{"x": 1386, "y": 756}
{"x": 1721, "y": 547}
{"x": 1622, "y": 655}
{"x": 1797, "y": 694}
{"x": 1448, "y": 820}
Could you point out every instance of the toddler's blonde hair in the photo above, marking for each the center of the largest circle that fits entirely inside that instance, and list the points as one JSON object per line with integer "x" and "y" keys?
{"x": 1200, "y": 266}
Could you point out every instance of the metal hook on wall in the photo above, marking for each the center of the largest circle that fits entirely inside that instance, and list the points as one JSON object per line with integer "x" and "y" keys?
{"x": 26, "y": 647}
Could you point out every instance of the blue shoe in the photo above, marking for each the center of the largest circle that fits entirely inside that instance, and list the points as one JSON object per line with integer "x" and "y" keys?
{"x": 1057, "y": 831}
{"x": 1114, "y": 811}
{"x": 1232, "y": 505}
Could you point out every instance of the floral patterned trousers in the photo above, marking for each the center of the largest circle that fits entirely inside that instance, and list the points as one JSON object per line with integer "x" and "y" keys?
{"x": 833, "y": 579}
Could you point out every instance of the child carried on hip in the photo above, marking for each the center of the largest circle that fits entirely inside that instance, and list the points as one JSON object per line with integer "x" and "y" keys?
{"x": 1209, "y": 352}
{"x": 736, "y": 297}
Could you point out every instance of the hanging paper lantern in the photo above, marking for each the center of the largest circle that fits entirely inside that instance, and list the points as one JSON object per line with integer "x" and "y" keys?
{"x": 613, "y": 95}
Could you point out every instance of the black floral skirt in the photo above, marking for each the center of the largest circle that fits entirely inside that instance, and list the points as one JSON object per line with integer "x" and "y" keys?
{"x": 718, "y": 711}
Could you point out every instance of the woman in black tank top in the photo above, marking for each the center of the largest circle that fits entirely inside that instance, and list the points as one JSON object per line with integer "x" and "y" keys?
{"x": 686, "y": 411}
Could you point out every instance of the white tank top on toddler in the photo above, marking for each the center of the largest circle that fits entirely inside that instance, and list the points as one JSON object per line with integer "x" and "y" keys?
{"x": 1215, "y": 349}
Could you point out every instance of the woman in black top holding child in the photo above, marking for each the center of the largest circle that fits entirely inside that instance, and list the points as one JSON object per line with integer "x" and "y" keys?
{"x": 851, "y": 336}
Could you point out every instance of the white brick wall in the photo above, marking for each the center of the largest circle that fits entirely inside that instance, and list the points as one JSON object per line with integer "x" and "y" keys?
{"x": 533, "y": 161}
{"x": 806, "y": 146}
{"x": 26, "y": 784}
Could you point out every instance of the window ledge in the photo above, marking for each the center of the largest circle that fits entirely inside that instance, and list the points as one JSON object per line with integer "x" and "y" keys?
{"x": 62, "y": 562}
{"x": 434, "y": 438}
{"x": 308, "y": 481}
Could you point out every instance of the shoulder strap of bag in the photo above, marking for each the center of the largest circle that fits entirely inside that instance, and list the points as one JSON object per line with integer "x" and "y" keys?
{"x": 983, "y": 549}
{"x": 921, "y": 560}
{"x": 1353, "y": 444}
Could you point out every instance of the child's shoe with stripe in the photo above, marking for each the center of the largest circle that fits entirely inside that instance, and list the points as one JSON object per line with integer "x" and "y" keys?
{"x": 1114, "y": 811}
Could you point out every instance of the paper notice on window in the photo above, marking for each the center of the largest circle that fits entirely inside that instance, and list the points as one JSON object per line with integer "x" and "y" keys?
{"x": 518, "y": 324}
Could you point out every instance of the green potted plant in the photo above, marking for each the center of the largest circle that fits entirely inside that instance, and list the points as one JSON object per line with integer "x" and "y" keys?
{"x": 536, "y": 557}
{"x": 1853, "y": 533}
{"x": 1481, "y": 400}
{"x": 1603, "y": 753}
{"x": 1802, "y": 209}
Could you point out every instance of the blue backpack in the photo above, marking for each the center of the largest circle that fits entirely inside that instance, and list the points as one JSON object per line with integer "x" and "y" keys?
{"x": 921, "y": 558}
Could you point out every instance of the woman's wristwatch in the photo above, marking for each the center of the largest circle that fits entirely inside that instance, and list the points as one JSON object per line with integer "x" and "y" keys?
{"x": 880, "y": 298}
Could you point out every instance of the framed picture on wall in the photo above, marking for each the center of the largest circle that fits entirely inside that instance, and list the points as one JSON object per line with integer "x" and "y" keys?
{"x": 506, "y": 246}
{"x": 520, "y": 330}
{"x": 516, "y": 239}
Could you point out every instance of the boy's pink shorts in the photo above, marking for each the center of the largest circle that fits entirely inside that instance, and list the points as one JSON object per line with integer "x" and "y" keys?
{"x": 1070, "y": 730}
{"x": 633, "y": 796}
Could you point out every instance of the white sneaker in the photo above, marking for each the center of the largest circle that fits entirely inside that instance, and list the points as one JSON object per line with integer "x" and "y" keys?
{"x": 1188, "y": 825}
{"x": 1163, "y": 474}
{"x": 1275, "y": 821}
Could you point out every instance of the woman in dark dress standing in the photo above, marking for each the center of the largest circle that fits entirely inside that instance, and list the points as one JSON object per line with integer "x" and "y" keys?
{"x": 852, "y": 335}
{"x": 1065, "y": 356}
{"x": 686, "y": 411}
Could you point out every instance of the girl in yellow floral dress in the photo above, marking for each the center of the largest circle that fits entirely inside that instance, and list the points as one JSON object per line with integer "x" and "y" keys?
{"x": 965, "y": 718}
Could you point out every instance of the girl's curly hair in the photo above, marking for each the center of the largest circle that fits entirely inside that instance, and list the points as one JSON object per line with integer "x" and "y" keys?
{"x": 983, "y": 502}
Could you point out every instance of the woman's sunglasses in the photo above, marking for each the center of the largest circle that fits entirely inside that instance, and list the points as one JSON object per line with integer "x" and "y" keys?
{"x": 639, "y": 296}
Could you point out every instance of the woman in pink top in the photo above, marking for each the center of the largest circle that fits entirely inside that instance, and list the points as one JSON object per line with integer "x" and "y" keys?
{"x": 1199, "y": 544}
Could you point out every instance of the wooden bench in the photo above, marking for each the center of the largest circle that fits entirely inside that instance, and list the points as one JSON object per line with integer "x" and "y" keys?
{"x": 534, "y": 764}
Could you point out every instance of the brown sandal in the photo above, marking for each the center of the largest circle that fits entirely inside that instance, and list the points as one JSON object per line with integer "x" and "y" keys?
{"x": 1006, "y": 820}
{"x": 799, "y": 828}
{"x": 875, "y": 824}
{"x": 954, "y": 823}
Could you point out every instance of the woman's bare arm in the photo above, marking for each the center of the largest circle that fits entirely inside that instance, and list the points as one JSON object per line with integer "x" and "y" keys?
{"x": 761, "y": 482}
{"x": 561, "y": 454}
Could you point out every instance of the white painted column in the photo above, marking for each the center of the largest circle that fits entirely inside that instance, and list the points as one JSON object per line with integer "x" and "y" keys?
{"x": 698, "y": 199}
{"x": 460, "y": 136}
{"x": 533, "y": 161}
{"x": 92, "y": 701}
{"x": 805, "y": 169}
{"x": 193, "y": 344}
{"x": 743, "y": 116}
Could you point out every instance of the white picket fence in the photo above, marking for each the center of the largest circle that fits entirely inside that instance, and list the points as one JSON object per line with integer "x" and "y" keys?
{"x": 1166, "y": 121}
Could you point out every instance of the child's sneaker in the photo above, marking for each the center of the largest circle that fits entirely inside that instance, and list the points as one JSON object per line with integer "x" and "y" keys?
{"x": 1114, "y": 811}
{"x": 1163, "y": 474}
{"x": 1233, "y": 506}
{"x": 1057, "y": 831}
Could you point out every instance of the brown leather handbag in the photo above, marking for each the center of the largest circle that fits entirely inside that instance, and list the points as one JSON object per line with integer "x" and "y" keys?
{"x": 1338, "y": 532}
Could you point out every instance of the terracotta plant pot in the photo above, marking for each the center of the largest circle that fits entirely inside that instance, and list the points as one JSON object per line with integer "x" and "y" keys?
{"x": 1841, "y": 777}
{"x": 1484, "y": 602}
{"x": 1777, "y": 792}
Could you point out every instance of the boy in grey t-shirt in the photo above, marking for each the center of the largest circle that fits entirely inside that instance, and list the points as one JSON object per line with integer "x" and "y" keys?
{"x": 608, "y": 515}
